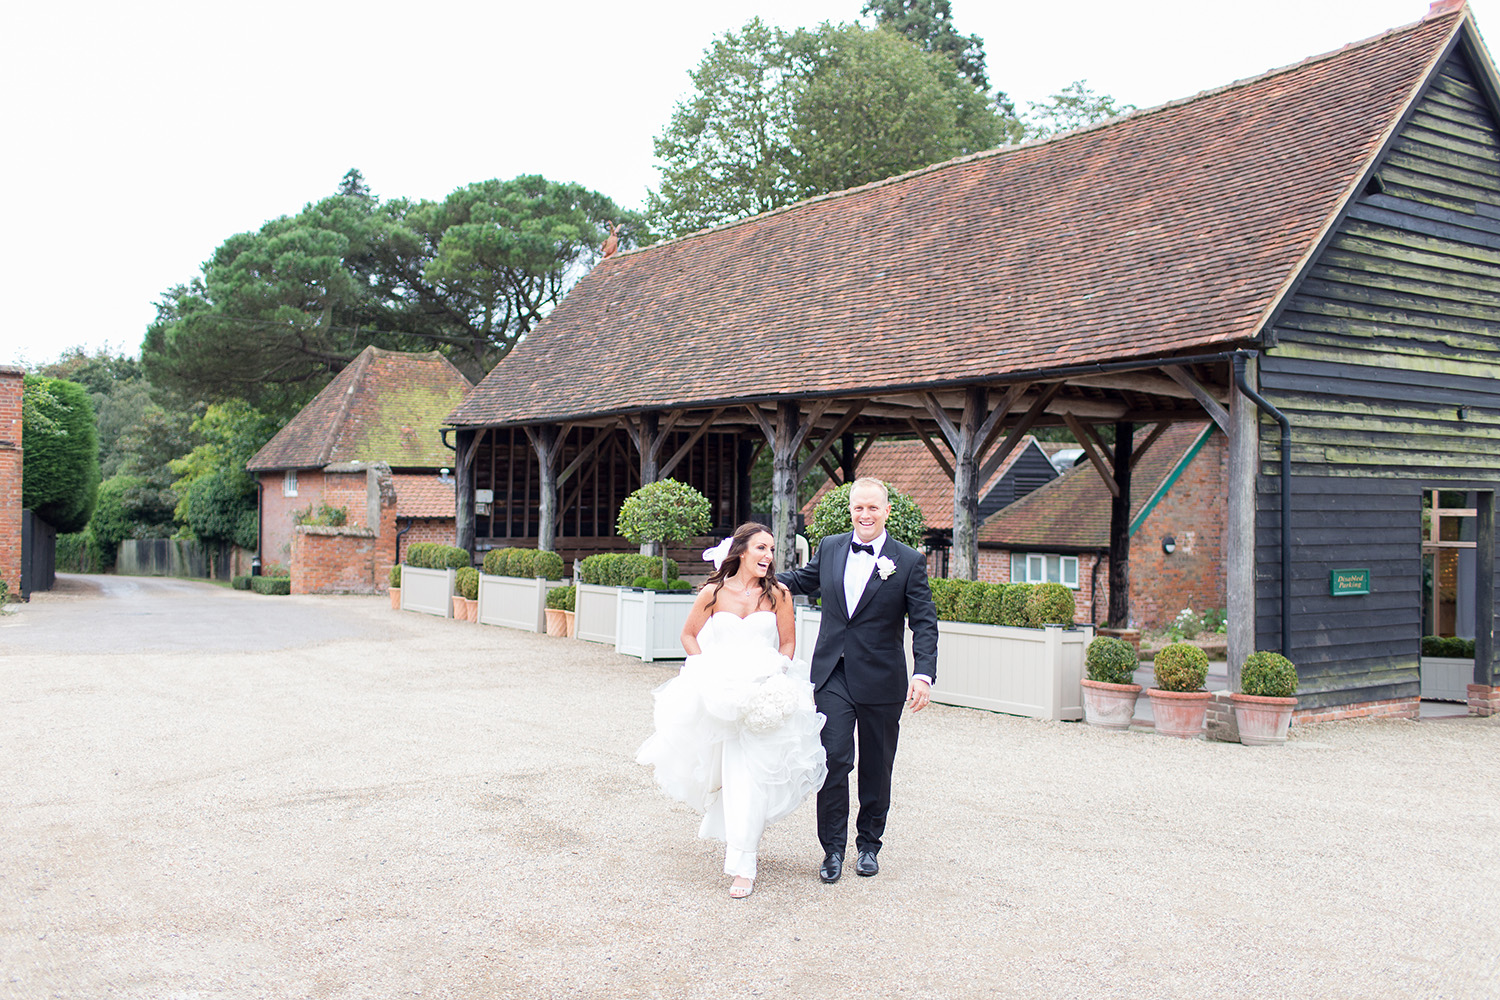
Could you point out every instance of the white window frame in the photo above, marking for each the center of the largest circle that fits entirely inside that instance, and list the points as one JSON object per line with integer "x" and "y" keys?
{"x": 1033, "y": 567}
{"x": 289, "y": 483}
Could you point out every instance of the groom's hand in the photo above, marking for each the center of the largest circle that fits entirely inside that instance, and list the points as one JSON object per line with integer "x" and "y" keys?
{"x": 919, "y": 694}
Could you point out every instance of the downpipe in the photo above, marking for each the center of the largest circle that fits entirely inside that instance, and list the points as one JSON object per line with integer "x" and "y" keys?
{"x": 1286, "y": 496}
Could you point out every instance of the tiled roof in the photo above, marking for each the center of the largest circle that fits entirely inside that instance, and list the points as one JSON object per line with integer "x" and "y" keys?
{"x": 386, "y": 406}
{"x": 1072, "y": 511}
{"x": 1168, "y": 230}
{"x": 909, "y": 466}
{"x": 424, "y": 496}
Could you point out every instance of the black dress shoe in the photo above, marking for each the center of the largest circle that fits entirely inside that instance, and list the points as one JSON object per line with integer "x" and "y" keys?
{"x": 867, "y": 865}
{"x": 833, "y": 867}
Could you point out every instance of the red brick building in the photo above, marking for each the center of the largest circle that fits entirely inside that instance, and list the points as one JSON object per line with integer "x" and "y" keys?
{"x": 10, "y": 477}
{"x": 369, "y": 445}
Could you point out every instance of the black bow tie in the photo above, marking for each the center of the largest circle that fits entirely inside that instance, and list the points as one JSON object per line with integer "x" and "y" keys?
{"x": 859, "y": 547}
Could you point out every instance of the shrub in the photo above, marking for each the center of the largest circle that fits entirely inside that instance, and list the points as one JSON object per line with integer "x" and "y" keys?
{"x": 831, "y": 517}
{"x": 60, "y": 464}
{"x": 561, "y": 598}
{"x": 324, "y": 516}
{"x": 496, "y": 561}
{"x": 548, "y": 566}
{"x": 521, "y": 563}
{"x": 1050, "y": 604}
{"x": 1181, "y": 667}
{"x": 1269, "y": 675}
{"x": 395, "y": 576}
{"x": 656, "y": 583}
{"x": 970, "y": 601}
{"x": 466, "y": 583}
{"x": 1111, "y": 660}
{"x": 992, "y": 610}
{"x": 431, "y": 555}
{"x": 240, "y": 582}
{"x": 944, "y": 594}
{"x": 1013, "y": 604}
{"x": 271, "y": 584}
{"x": 619, "y": 569}
{"x": 1186, "y": 625}
{"x": 1216, "y": 620}
{"x": 663, "y": 511}
{"x": 78, "y": 552}
{"x": 4, "y": 593}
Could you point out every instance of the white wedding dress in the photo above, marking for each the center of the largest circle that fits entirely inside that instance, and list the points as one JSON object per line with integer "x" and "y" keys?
{"x": 737, "y": 734}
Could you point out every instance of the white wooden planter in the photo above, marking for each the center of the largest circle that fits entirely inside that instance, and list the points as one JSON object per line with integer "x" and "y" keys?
{"x": 1445, "y": 678}
{"x": 594, "y": 609}
{"x": 649, "y": 624}
{"x": 1033, "y": 672}
{"x": 429, "y": 591}
{"x": 514, "y": 601}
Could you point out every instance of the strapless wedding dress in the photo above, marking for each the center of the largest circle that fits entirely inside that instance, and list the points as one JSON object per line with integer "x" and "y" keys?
{"x": 737, "y": 734}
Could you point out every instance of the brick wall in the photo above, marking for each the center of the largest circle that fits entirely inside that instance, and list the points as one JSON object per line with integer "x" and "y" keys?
{"x": 1193, "y": 512}
{"x": 277, "y": 513}
{"x": 335, "y": 561}
{"x": 349, "y": 490}
{"x": 441, "y": 530}
{"x": 10, "y": 477}
{"x": 1394, "y": 708}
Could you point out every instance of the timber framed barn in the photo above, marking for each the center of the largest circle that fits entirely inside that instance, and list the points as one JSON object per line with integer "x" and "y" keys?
{"x": 1310, "y": 258}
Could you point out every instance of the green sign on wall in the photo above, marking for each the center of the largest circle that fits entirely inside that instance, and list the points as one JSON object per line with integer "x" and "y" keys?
{"x": 1348, "y": 582}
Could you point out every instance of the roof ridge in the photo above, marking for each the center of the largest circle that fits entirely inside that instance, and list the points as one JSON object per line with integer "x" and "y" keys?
{"x": 360, "y": 364}
{"x": 1459, "y": 12}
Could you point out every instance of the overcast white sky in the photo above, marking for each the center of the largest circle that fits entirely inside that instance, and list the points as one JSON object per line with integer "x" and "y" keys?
{"x": 139, "y": 136}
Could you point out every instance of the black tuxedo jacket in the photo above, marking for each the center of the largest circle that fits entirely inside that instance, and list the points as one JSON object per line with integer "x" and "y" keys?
{"x": 871, "y": 636}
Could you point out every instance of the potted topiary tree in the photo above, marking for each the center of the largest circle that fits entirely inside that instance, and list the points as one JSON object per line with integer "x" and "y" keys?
{"x": 648, "y": 622}
{"x": 1178, "y": 702}
{"x": 395, "y": 587}
{"x": 1263, "y": 706}
{"x": 466, "y": 601}
{"x": 427, "y": 577}
{"x": 1109, "y": 690}
{"x": 513, "y": 587}
{"x": 560, "y": 611}
{"x": 596, "y": 598}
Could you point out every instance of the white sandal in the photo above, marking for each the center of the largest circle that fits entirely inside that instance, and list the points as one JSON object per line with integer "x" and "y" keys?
{"x": 741, "y": 891}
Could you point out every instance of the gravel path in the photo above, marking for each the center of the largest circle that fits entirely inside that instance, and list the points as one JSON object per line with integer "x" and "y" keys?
{"x": 419, "y": 807}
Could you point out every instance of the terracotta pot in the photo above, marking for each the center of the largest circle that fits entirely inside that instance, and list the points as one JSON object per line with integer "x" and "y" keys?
{"x": 1179, "y": 713}
{"x": 1262, "y": 721}
{"x": 1109, "y": 706}
{"x": 395, "y": 598}
{"x": 459, "y": 611}
{"x": 557, "y": 623}
{"x": 471, "y": 609}
{"x": 572, "y": 623}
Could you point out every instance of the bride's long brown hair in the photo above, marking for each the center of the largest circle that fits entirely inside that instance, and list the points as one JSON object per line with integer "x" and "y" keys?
{"x": 731, "y": 564}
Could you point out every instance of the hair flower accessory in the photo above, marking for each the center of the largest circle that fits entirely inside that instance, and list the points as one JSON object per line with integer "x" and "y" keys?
{"x": 885, "y": 567}
{"x": 718, "y": 553}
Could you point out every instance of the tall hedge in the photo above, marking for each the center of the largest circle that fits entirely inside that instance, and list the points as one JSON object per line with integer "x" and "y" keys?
{"x": 60, "y": 467}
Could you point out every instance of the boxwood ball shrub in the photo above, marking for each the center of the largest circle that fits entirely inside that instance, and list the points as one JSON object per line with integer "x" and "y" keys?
{"x": 619, "y": 569}
{"x": 1111, "y": 661}
{"x": 431, "y": 555}
{"x": 657, "y": 583}
{"x": 466, "y": 583}
{"x": 970, "y": 601}
{"x": 831, "y": 517}
{"x": 561, "y": 598}
{"x": 1451, "y": 646}
{"x": 1013, "y": 605}
{"x": 395, "y": 575}
{"x": 495, "y": 561}
{"x": 548, "y": 566}
{"x": 240, "y": 582}
{"x": 1050, "y": 604}
{"x": 271, "y": 584}
{"x": 944, "y": 594}
{"x": 1181, "y": 666}
{"x": 992, "y": 609}
{"x": 522, "y": 564}
{"x": 1269, "y": 675}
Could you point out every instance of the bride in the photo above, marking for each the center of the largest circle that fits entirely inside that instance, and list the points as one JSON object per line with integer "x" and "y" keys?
{"x": 737, "y": 737}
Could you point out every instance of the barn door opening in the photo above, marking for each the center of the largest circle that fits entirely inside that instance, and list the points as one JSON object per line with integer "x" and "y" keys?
{"x": 1450, "y": 595}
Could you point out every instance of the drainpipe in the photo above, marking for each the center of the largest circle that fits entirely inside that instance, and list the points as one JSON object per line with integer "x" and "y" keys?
{"x": 260, "y": 524}
{"x": 403, "y": 531}
{"x": 1286, "y": 497}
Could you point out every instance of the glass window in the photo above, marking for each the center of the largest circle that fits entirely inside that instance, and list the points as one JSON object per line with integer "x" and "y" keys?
{"x": 289, "y": 484}
{"x": 1042, "y": 567}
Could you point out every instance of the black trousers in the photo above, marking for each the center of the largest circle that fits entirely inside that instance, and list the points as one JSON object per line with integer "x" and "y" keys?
{"x": 876, "y": 727}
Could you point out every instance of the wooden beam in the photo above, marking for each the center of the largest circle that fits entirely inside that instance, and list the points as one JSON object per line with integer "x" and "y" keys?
{"x": 1093, "y": 434}
{"x": 863, "y": 449}
{"x": 937, "y": 453}
{"x": 605, "y": 434}
{"x": 831, "y": 469}
{"x": 828, "y": 440}
{"x": 944, "y": 423}
{"x": 805, "y": 425}
{"x": 1239, "y": 528}
{"x": 1140, "y": 449}
{"x": 996, "y": 421}
{"x": 1215, "y": 409}
{"x": 765, "y": 425}
{"x": 1038, "y": 406}
{"x": 686, "y": 446}
{"x": 1086, "y": 441}
{"x": 1144, "y": 382}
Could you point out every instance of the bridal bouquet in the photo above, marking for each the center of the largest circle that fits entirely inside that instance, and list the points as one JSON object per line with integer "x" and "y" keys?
{"x": 773, "y": 701}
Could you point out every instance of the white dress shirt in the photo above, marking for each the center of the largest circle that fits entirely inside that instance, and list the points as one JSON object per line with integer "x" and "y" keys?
{"x": 857, "y": 570}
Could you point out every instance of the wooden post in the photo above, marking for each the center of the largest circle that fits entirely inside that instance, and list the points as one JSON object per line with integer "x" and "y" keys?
{"x": 848, "y": 463}
{"x": 1239, "y": 571}
{"x": 1484, "y": 589}
{"x": 646, "y": 446}
{"x": 547, "y": 441}
{"x": 784, "y": 483}
{"x": 1119, "y": 528}
{"x": 966, "y": 485}
{"x": 745, "y": 453}
{"x": 463, "y": 488}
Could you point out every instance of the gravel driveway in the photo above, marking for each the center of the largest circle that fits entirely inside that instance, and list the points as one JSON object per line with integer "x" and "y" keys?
{"x": 320, "y": 797}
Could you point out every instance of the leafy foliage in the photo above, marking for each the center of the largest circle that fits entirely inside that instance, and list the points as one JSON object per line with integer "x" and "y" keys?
{"x": 241, "y": 582}
{"x": 395, "y": 576}
{"x": 113, "y": 519}
{"x": 278, "y": 585}
{"x": 60, "y": 464}
{"x": 562, "y": 598}
{"x": 1180, "y": 667}
{"x": 78, "y": 552}
{"x": 323, "y": 516}
{"x": 1050, "y": 604}
{"x": 525, "y": 563}
{"x": 658, "y": 584}
{"x": 217, "y": 496}
{"x": 664, "y": 511}
{"x": 1452, "y": 646}
{"x": 466, "y": 583}
{"x": 619, "y": 569}
{"x": 1075, "y": 106}
{"x": 432, "y": 555}
{"x": 1014, "y": 605}
{"x": 1269, "y": 675}
{"x": 831, "y": 517}
{"x": 1111, "y": 661}
{"x": 929, "y": 25}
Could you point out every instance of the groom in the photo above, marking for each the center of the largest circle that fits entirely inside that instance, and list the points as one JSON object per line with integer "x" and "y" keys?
{"x": 871, "y": 586}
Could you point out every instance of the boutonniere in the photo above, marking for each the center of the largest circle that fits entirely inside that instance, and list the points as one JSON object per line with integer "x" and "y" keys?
{"x": 885, "y": 567}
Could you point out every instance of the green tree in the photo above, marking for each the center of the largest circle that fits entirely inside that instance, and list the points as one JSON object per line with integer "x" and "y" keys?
{"x": 60, "y": 464}
{"x": 929, "y": 25}
{"x": 217, "y": 496}
{"x": 664, "y": 511}
{"x": 1075, "y": 106}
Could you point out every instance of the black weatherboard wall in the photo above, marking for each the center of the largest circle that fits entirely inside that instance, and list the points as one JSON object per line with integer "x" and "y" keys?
{"x": 1385, "y": 360}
